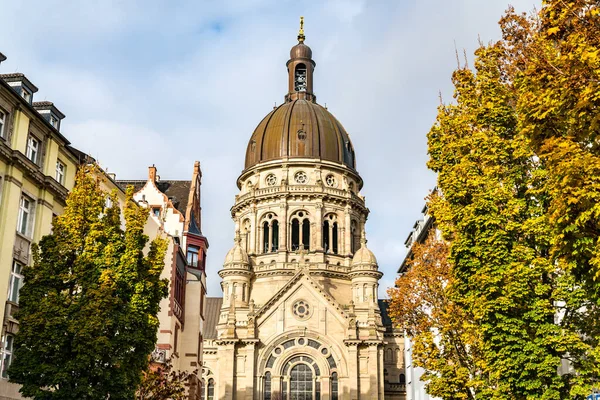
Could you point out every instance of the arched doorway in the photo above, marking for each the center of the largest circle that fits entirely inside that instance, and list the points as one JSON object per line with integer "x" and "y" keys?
{"x": 301, "y": 382}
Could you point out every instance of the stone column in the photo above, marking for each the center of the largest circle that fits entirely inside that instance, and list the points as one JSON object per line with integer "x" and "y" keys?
{"x": 251, "y": 381}
{"x": 347, "y": 231}
{"x": 319, "y": 226}
{"x": 374, "y": 371}
{"x": 226, "y": 371}
{"x": 283, "y": 225}
{"x": 352, "y": 385}
{"x": 381, "y": 374}
{"x": 253, "y": 230}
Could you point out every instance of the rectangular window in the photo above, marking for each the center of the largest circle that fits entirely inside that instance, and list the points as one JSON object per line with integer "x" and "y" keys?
{"x": 16, "y": 282}
{"x": 60, "y": 172}
{"x": 7, "y": 354}
{"x": 26, "y": 95}
{"x": 54, "y": 121}
{"x": 25, "y": 211}
{"x": 2, "y": 123}
{"x": 33, "y": 147}
{"x": 192, "y": 256}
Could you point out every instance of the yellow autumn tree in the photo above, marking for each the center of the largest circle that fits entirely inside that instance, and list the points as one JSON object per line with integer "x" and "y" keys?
{"x": 517, "y": 158}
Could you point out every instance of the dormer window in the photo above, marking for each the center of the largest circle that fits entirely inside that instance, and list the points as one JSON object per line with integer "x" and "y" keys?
{"x": 156, "y": 211}
{"x": 53, "y": 121}
{"x": 26, "y": 95}
{"x": 33, "y": 146}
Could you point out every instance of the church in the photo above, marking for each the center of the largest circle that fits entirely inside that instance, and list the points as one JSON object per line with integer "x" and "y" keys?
{"x": 299, "y": 317}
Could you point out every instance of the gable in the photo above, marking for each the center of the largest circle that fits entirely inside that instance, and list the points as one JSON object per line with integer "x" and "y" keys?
{"x": 301, "y": 304}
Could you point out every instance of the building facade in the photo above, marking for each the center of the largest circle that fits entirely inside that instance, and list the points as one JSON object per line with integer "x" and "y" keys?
{"x": 37, "y": 170}
{"x": 175, "y": 213}
{"x": 415, "y": 387}
{"x": 299, "y": 317}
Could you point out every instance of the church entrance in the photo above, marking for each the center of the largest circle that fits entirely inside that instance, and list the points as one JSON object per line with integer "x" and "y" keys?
{"x": 301, "y": 383}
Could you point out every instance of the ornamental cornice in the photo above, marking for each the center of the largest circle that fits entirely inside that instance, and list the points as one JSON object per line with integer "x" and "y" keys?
{"x": 370, "y": 274}
{"x": 316, "y": 193}
{"x": 33, "y": 172}
{"x": 225, "y": 341}
{"x": 235, "y": 271}
{"x": 277, "y": 272}
{"x": 246, "y": 342}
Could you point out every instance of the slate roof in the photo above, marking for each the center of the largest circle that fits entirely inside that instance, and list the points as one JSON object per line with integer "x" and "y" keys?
{"x": 213, "y": 310}
{"x": 177, "y": 191}
{"x": 385, "y": 317}
{"x": 18, "y": 77}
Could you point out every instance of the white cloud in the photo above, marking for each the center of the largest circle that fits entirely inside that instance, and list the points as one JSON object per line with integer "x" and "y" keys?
{"x": 147, "y": 82}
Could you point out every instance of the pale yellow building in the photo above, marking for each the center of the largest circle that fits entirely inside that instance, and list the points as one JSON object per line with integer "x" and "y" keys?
{"x": 299, "y": 317}
{"x": 37, "y": 169}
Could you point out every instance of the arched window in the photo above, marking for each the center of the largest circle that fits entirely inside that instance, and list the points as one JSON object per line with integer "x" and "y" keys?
{"x": 388, "y": 355}
{"x": 397, "y": 355}
{"x": 301, "y": 382}
{"x": 275, "y": 238}
{"x": 300, "y": 231}
{"x": 246, "y": 235}
{"x": 295, "y": 234}
{"x": 355, "y": 240}
{"x": 202, "y": 389}
{"x": 300, "y": 80}
{"x": 211, "y": 389}
{"x": 330, "y": 234}
{"x": 306, "y": 234}
{"x": 326, "y": 236}
{"x": 267, "y": 390}
{"x": 334, "y": 235}
{"x": 334, "y": 386}
{"x": 265, "y": 237}
{"x": 402, "y": 379}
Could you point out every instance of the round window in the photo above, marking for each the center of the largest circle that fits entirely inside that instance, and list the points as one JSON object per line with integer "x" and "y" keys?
{"x": 301, "y": 310}
{"x": 331, "y": 181}
{"x": 271, "y": 180}
{"x": 301, "y": 177}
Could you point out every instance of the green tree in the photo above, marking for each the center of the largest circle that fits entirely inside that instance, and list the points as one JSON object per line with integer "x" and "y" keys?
{"x": 517, "y": 158}
{"x": 89, "y": 304}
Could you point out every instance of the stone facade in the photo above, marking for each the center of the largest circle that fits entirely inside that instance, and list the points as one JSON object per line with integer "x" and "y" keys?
{"x": 299, "y": 317}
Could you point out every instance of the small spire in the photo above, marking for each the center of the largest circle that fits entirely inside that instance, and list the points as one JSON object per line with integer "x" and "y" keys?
{"x": 301, "y": 36}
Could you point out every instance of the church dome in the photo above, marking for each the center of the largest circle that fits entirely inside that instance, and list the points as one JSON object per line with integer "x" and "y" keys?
{"x": 237, "y": 255}
{"x": 300, "y": 128}
{"x": 363, "y": 257}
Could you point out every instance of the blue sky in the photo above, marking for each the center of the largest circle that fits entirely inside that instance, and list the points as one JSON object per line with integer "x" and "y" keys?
{"x": 147, "y": 82}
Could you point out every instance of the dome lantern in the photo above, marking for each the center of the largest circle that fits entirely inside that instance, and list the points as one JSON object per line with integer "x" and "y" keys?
{"x": 300, "y": 70}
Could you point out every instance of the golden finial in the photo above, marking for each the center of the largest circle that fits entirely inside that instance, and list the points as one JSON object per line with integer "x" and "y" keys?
{"x": 301, "y": 36}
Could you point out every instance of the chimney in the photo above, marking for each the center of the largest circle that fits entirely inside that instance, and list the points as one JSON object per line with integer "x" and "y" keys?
{"x": 2, "y": 58}
{"x": 152, "y": 173}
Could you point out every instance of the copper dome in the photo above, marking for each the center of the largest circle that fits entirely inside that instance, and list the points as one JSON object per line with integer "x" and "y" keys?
{"x": 300, "y": 129}
{"x": 300, "y": 51}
